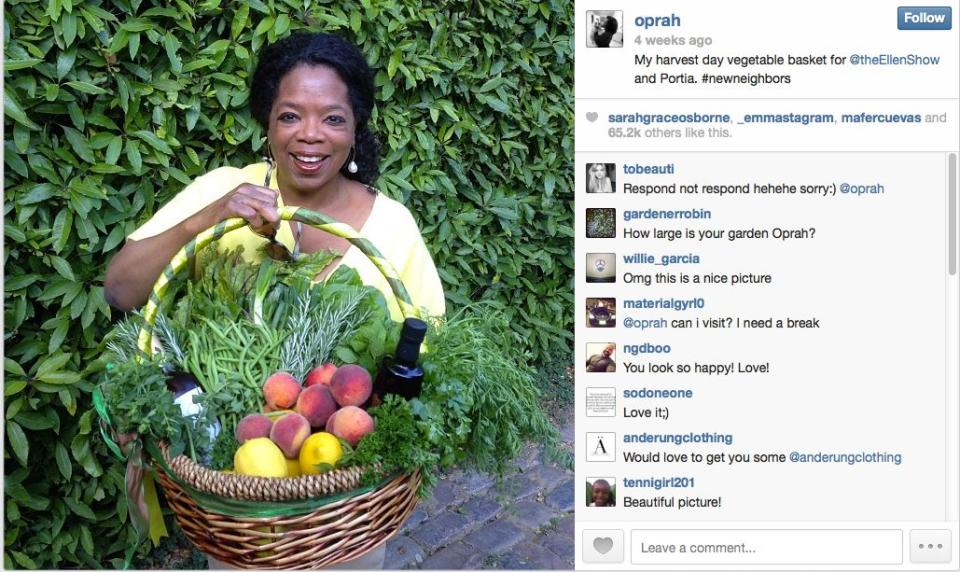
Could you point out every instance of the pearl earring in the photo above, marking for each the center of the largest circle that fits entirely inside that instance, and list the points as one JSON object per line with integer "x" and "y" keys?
{"x": 352, "y": 166}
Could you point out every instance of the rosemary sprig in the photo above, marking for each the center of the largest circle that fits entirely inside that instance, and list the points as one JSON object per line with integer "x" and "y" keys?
{"x": 342, "y": 321}
{"x": 122, "y": 340}
{"x": 169, "y": 342}
{"x": 317, "y": 326}
{"x": 300, "y": 324}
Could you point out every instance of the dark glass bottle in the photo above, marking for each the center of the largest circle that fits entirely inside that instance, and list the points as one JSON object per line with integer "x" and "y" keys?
{"x": 180, "y": 383}
{"x": 185, "y": 387}
{"x": 400, "y": 373}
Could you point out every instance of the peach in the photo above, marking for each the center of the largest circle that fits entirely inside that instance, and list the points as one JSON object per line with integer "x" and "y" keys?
{"x": 351, "y": 385}
{"x": 351, "y": 424}
{"x": 253, "y": 426}
{"x": 329, "y": 427}
{"x": 289, "y": 433}
{"x": 281, "y": 390}
{"x": 316, "y": 404}
{"x": 321, "y": 374}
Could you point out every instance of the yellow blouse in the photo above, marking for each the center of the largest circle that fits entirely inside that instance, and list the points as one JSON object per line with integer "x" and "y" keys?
{"x": 390, "y": 227}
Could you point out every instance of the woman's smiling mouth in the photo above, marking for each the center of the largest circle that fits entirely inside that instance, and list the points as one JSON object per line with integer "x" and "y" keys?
{"x": 309, "y": 163}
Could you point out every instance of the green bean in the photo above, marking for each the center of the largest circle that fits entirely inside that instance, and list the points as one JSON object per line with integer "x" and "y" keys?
{"x": 243, "y": 354}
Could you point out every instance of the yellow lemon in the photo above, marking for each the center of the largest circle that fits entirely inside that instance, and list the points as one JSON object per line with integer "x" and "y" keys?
{"x": 319, "y": 448}
{"x": 293, "y": 468}
{"x": 260, "y": 457}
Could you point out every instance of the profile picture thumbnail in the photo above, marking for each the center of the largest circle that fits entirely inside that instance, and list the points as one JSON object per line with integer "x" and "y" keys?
{"x": 601, "y": 447}
{"x": 600, "y": 357}
{"x": 601, "y": 177}
{"x": 601, "y": 492}
{"x": 601, "y": 267}
{"x": 601, "y": 312}
{"x": 604, "y": 28}
{"x": 601, "y": 223}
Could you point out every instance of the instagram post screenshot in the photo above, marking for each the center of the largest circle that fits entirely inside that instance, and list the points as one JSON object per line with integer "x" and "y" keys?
{"x": 288, "y": 284}
{"x": 505, "y": 285}
{"x": 766, "y": 214}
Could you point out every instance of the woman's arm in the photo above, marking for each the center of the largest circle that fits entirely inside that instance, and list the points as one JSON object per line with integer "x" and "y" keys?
{"x": 133, "y": 271}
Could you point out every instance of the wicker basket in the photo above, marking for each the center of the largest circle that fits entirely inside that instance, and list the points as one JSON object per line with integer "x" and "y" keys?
{"x": 339, "y": 531}
{"x": 353, "y": 522}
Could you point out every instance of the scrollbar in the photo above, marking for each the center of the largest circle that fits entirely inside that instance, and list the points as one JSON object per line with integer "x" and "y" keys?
{"x": 952, "y": 203}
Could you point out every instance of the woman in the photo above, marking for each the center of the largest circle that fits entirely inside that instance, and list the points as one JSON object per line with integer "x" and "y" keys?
{"x": 313, "y": 94}
{"x": 603, "y": 31}
{"x": 597, "y": 179}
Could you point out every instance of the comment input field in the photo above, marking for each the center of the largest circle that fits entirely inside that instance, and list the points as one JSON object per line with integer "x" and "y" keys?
{"x": 820, "y": 547}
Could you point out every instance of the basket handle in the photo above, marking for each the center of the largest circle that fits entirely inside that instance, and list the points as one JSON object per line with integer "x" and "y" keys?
{"x": 298, "y": 214}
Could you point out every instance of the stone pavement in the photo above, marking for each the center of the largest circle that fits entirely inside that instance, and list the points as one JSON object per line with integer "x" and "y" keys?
{"x": 470, "y": 521}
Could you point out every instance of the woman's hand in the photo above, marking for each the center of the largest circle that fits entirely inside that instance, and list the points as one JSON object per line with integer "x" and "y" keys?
{"x": 133, "y": 271}
{"x": 255, "y": 204}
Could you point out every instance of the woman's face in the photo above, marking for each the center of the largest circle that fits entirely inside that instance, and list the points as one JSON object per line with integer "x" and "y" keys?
{"x": 598, "y": 170}
{"x": 311, "y": 128}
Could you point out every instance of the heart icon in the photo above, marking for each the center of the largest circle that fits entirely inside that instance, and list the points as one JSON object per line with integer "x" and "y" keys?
{"x": 592, "y": 116}
{"x": 603, "y": 544}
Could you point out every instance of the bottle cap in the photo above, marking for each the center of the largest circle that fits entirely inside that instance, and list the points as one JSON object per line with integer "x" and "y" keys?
{"x": 411, "y": 336}
{"x": 414, "y": 330}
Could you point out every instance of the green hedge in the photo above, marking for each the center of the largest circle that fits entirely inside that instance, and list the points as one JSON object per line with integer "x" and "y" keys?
{"x": 112, "y": 106}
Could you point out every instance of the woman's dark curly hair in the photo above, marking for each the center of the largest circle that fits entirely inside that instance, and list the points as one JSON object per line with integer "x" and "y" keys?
{"x": 611, "y": 25}
{"x": 346, "y": 60}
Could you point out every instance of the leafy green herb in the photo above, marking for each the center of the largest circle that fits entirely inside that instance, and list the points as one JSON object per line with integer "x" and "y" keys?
{"x": 398, "y": 445}
{"x": 371, "y": 340}
{"x": 479, "y": 394}
{"x": 171, "y": 346}
{"x": 479, "y": 404}
{"x": 138, "y": 400}
{"x": 317, "y": 324}
{"x": 122, "y": 340}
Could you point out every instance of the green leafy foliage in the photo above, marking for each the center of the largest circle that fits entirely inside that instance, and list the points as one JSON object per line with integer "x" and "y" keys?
{"x": 480, "y": 397}
{"x": 112, "y": 106}
{"x": 237, "y": 320}
{"x": 139, "y": 402}
{"x": 479, "y": 403}
{"x": 399, "y": 445}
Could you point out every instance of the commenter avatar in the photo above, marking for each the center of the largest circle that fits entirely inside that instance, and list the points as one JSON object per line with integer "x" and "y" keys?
{"x": 601, "y": 177}
{"x": 601, "y": 493}
{"x": 601, "y": 362}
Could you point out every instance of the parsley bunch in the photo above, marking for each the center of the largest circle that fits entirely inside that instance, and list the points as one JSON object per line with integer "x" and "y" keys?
{"x": 139, "y": 402}
{"x": 399, "y": 445}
